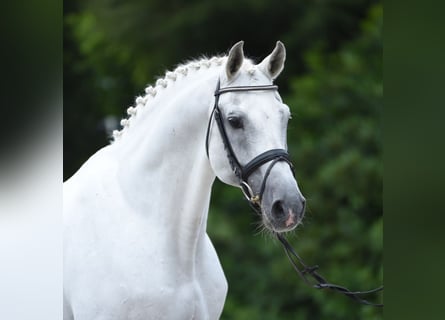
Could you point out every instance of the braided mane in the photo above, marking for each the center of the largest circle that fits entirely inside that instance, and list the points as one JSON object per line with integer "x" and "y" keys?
{"x": 181, "y": 71}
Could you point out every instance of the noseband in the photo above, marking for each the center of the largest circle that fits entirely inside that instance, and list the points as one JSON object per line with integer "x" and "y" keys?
{"x": 243, "y": 172}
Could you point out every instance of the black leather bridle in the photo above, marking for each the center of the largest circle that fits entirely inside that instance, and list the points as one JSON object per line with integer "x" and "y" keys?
{"x": 307, "y": 273}
{"x": 243, "y": 172}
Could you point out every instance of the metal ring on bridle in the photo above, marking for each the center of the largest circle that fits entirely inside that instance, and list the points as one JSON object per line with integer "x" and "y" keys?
{"x": 249, "y": 194}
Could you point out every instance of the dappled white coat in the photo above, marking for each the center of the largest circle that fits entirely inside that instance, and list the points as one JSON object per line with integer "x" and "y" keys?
{"x": 135, "y": 214}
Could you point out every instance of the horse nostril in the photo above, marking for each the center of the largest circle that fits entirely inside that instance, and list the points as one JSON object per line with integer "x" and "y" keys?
{"x": 278, "y": 210}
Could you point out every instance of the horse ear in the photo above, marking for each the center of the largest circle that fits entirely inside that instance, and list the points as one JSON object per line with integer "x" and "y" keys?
{"x": 235, "y": 60}
{"x": 273, "y": 64}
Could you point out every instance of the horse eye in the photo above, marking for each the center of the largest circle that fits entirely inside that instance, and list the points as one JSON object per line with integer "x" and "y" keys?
{"x": 235, "y": 122}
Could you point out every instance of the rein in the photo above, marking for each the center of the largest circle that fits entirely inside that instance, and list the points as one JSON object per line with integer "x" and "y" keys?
{"x": 320, "y": 281}
{"x": 308, "y": 274}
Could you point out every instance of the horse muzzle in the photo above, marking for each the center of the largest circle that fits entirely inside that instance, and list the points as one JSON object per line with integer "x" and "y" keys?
{"x": 283, "y": 205}
{"x": 285, "y": 214}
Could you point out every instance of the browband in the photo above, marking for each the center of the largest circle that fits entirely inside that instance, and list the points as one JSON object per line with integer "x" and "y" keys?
{"x": 244, "y": 88}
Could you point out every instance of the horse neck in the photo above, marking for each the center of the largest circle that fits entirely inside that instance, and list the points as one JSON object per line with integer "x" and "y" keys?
{"x": 164, "y": 173}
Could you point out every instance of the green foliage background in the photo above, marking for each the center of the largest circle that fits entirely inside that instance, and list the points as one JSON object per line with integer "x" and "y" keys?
{"x": 333, "y": 85}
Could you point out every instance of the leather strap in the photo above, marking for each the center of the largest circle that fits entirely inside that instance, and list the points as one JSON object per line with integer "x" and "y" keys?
{"x": 263, "y": 158}
{"x": 244, "y": 88}
{"x": 316, "y": 280}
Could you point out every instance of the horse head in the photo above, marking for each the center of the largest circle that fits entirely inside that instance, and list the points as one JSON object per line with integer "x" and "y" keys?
{"x": 250, "y": 148}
